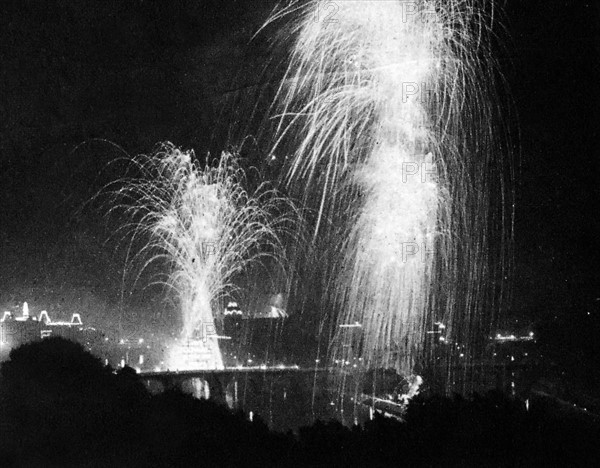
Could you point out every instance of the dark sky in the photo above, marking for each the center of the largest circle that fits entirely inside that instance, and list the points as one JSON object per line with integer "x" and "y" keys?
{"x": 554, "y": 83}
{"x": 77, "y": 75}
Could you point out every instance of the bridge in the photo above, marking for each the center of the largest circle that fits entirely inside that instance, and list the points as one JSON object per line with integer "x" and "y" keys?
{"x": 225, "y": 385}
{"x": 232, "y": 384}
{"x": 291, "y": 396}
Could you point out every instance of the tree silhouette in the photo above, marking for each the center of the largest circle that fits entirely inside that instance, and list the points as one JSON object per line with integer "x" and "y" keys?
{"x": 61, "y": 400}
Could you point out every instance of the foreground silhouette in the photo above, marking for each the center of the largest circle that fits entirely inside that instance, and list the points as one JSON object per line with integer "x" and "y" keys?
{"x": 61, "y": 407}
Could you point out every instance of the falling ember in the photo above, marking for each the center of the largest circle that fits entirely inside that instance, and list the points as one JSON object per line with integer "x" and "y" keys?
{"x": 393, "y": 146}
{"x": 206, "y": 229}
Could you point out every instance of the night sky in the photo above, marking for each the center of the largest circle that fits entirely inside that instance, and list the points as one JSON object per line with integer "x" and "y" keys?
{"x": 82, "y": 81}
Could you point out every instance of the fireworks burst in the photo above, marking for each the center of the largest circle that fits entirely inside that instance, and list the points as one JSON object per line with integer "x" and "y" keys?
{"x": 388, "y": 106}
{"x": 205, "y": 228}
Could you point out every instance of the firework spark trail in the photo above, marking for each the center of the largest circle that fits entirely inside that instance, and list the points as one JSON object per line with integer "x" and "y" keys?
{"x": 384, "y": 104}
{"x": 202, "y": 223}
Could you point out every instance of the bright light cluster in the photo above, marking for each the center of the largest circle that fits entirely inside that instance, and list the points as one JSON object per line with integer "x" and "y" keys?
{"x": 384, "y": 104}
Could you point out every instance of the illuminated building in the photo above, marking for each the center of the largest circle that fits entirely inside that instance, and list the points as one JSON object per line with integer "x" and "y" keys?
{"x": 15, "y": 331}
{"x": 233, "y": 309}
{"x": 69, "y": 330}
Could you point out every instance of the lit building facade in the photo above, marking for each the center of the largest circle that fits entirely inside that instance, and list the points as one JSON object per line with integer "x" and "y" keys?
{"x": 15, "y": 331}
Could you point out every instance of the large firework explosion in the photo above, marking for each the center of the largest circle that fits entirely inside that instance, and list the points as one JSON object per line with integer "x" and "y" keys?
{"x": 204, "y": 230}
{"x": 389, "y": 108}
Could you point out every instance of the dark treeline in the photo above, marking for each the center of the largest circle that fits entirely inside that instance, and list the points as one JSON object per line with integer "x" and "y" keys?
{"x": 61, "y": 407}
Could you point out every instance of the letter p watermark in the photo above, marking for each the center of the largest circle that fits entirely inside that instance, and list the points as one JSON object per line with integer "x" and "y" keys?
{"x": 208, "y": 329}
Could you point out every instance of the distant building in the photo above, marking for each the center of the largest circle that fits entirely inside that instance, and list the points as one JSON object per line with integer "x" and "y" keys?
{"x": 69, "y": 330}
{"x": 233, "y": 309}
{"x": 250, "y": 339}
{"x": 15, "y": 331}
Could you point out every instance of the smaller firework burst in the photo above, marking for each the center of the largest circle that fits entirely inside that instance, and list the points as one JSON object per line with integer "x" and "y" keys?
{"x": 203, "y": 230}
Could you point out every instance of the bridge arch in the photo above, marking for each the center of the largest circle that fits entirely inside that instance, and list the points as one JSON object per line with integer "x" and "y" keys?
{"x": 197, "y": 387}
